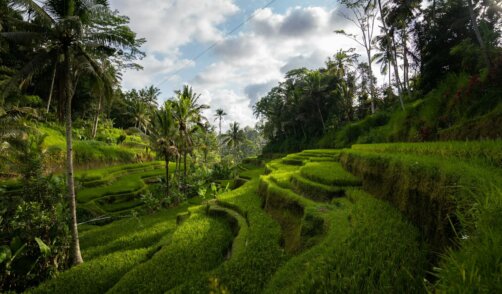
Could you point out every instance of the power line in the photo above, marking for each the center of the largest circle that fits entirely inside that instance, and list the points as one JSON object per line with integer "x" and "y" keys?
{"x": 203, "y": 52}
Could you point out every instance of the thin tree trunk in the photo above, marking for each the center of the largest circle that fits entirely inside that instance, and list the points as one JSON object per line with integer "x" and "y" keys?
{"x": 185, "y": 165}
{"x": 406, "y": 64}
{"x": 77, "y": 256}
{"x": 475, "y": 27}
{"x": 96, "y": 119}
{"x": 303, "y": 131}
{"x": 390, "y": 74}
{"x": 372, "y": 86}
{"x": 394, "y": 54}
{"x": 52, "y": 88}
{"x": 320, "y": 115}
{"x": 220, "y": 126}
{"x": 166, "y": 157}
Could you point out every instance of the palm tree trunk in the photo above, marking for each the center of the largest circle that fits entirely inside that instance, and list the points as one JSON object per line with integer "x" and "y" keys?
{"x": 475, "y": 27}
{"x": 185, "y": 165}
{"x": 372, "y": 86}
{"x": 77, "y": 256}
{"x": 166, "y": 157}
{"x": 96, "y": 119}
{"x": 220, "y": 125}
{"x": 320, "y": 116}
{"x": 52, "y": 88}
{"x": 394, "y": 53}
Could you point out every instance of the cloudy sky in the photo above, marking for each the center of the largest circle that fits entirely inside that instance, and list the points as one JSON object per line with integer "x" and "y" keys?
{"x": 243, "y": 65}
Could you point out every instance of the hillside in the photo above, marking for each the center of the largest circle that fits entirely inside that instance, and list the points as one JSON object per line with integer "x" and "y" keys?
{"x": 385, "y": 225}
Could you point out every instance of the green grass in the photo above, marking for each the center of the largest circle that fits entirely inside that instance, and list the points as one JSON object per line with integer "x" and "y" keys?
{"x": 476, "y": 266}
{"x": 256, "y": 259}
{"x": 129, "y": 233}
{"x": 113, "y": 250}
{"x": 315, "y": 190}
{"x": 487, "y": 152}
{"x": 352, "y": 244}
{"x": 116, "y": 188}
{"x": 197, "y": 246}
{"x": 329, "y": 173}
{"x": 364, "y": 251}
{"x": 95, "y": 276}
{"x": 432, "y": 192}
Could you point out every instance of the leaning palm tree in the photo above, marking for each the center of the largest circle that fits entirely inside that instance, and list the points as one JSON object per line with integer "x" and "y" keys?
{"x": 220, "y": 113}
{"x": 64, "y": 31}
{"x": 163, "y": 136}
{"x": 234, "y": 138}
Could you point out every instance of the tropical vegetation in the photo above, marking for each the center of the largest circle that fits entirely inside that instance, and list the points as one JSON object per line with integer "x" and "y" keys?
{"x": 353, "y": 179}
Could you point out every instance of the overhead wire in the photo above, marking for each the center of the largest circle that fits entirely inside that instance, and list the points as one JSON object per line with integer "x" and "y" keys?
{"x": 214, "y": 44}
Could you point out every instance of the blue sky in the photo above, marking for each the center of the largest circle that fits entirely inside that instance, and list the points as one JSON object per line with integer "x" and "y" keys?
{"x": 242, "y": 66}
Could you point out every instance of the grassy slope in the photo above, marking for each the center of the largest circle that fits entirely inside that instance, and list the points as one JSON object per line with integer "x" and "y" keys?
{"x": 113, "y": 250}
{"x": 363, "y": 248}
{"x": 436, "y": 185}
{"x": 356, "y": 243}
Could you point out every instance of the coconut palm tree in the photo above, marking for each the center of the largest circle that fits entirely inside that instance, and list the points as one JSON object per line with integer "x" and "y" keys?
{"x": 314, "y": 87}
{"x": 234, "y": 138}
{"x": 140, "y": 114}
{"x": 220, "y": 113}
{"x": 188, "y": 114}
{"x": 64, "y": 31}
{"x": 163, "y": 136}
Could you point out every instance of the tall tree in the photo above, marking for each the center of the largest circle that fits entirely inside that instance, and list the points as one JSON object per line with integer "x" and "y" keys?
{"x": 163, "y": 137}
{"x": 66, "y": 30}
{"x": 220, "y": 113}
{"x": 364, "y": 19}
{"x": 233, "y": 138}
{"x": 188, "y": 114}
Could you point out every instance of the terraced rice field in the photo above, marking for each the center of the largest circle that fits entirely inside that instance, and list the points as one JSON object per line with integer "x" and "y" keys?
{"x": 305, "y": 223}
{"x": 116, "y": 189}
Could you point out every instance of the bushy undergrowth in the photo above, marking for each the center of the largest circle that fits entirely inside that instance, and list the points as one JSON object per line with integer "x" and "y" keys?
{"x": 462, "y": 107}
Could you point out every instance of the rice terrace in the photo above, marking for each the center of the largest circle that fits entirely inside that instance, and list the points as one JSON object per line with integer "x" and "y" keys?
{"x": 266, "y": 146}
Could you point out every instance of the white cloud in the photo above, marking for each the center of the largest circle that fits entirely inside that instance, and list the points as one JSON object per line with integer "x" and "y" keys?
{"x": 251, "y": 63}
{"x": 169, "y": 24}
{"x": 243, "y": 67}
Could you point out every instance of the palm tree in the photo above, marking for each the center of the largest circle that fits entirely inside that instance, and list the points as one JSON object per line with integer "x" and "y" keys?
{"x": 220, "y": 113}
{"x": 187, "y": 113}
{"x": 313, "y": 87}
{"x": 66, "y": 30}
{"x": 163, "y": 136}
{"x": 234, "y": 138}
{"x": 140, "y": 114}
{"x": 103, "y": 88}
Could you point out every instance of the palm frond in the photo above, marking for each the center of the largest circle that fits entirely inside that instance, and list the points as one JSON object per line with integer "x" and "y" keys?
{"x": 23, "y": 37}
{"x": 35, "y": 7}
